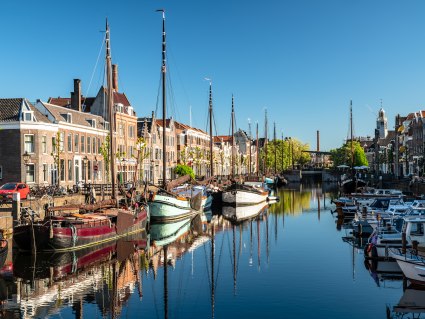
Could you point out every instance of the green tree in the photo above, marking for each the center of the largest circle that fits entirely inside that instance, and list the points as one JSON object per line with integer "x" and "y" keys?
{"x": 104, "y": 150}
{"x": 57, "y": 150}
{"x": 184, "y": 170}
{"x": 342, "y": 155}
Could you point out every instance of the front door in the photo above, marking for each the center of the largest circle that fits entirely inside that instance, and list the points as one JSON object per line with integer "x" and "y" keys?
{"x": 77, "y": 170}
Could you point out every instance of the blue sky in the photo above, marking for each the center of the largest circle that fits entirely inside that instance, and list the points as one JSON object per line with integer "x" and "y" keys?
{"x": 302, "y": 60}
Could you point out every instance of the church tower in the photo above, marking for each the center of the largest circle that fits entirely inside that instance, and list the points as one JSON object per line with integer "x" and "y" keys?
{"x": 381, "y": 124}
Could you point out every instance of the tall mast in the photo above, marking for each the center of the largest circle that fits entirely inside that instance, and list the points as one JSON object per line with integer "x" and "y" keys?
{"x": 110, "y": 105}
{"x": 351, "y": 133}
{"x": 274, "y": 144}
{"x": 164, "y": 109}
{"x": 250, "y": 147}
{"x": 265, "y": 142}
{"x": 210, "y": 113}
{"x": 282, "y": 152}
{"x": 233, "y": 139}
{"x": 257, "y": 157}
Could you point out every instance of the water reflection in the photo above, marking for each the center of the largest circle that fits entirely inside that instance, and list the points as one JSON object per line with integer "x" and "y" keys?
{"x": 411, "y": 304}
{"x": 215, "y": 264}
{"x": 104, "y": 275}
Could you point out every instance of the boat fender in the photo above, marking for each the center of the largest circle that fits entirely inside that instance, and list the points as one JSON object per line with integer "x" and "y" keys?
{"x": 151, "y": 196}
{"x": 369, "y": 248}
{"x": 51, "y": 230}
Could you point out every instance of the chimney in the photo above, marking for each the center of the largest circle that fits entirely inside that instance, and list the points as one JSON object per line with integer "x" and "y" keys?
{"x": 115, "y": 77}
{"x": 76, "y": 96}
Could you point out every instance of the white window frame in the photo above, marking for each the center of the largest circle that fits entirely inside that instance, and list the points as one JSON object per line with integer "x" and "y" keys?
{"x": 32, "y": 143}
{"x": 28, "y": 178}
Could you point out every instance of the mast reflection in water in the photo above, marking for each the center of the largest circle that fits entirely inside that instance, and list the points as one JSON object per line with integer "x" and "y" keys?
{"x": 283, "y": 260}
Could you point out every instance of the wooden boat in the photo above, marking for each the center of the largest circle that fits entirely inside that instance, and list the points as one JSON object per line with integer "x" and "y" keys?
{"x": 70, "y": 231}
{"x": 93, "y": 224}
{"x": 242, "y": 194}
{"x": 165, "y": 204}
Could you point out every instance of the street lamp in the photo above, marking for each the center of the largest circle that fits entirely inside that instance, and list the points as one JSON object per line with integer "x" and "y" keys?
{"x": 85, "y": 161}
{"x": 26, "y": 158}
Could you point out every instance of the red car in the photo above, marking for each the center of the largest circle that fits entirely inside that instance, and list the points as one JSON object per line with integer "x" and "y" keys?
{"x": 8, "y": 189}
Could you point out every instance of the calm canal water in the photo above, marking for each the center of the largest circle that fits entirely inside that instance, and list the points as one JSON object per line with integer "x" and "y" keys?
{"x": 288, "y": 261}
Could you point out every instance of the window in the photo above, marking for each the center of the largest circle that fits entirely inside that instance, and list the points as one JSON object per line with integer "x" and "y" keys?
{"x": 89, "y": 170}
{"x": 44, "y": 144}
{"x": 76, "y": 141}
{"x": 27, "y": 116}
{"x": 130, "y": 151}
{"x": 92, "y": 122}
{"x": 45, "y": 173}
{"x": 106, "y": 125}
{"x": 83, "y": 144}
{"x": 88, "y": 144}
{"x": 70, "y": 170}
{"x": 417, "y": 229}
{"x": 98, "y": 146}
{"x": 131, "y": 131}
{"x": 69, "y": 142}
{"x": 29, "y": 143}
{"x": 30, "y": 173}
{"x": 121, "y": 129}
{"x": 53, "y": 144}
{"x": 61, "y": 141}
{"x": 62, "y": 169}
{"x": 94, "y": 145}
{"x": 67, "y": 117}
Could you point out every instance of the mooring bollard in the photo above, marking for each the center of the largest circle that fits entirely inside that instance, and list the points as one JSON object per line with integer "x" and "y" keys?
{"x": 403, "y": 243}
{"x": 415, "y": 246}
{"x": 16, "y": 208}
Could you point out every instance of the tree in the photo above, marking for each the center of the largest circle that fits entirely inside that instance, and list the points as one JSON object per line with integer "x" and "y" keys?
{"x": 184, "y": 170}
{"x": 142, "y": 154}
{"x": 342, "y": 155}
{"x": 57, "y": 150}
{"x": 104, "y": 150}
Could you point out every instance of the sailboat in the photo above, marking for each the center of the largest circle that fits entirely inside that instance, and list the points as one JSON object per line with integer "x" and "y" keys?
{"x": 238, "y": 194}
{"x": 351, "y": 183}
{"x": 166, "y": 205}
{"x": 63, "y": 229}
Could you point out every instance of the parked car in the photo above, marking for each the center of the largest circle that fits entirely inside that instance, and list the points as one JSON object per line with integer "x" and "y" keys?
{"x": 7, "y": 190}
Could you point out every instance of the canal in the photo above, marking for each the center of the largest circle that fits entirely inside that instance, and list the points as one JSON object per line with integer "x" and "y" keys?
{"x": 290, "y": 260}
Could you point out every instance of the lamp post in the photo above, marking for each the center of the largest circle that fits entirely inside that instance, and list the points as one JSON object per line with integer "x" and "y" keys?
{"x": 26, "y": 158}
{"x": 85, "y": 161}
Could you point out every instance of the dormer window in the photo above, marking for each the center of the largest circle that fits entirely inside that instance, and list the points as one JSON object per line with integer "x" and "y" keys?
{"x": 27, "y": 116}
{"x": 67, "y": 117}
{"x": 106, "y": 126}
{"x": 92, "y": 122}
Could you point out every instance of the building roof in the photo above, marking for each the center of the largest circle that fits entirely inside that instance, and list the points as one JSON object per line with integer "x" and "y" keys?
{"x": 222, "y": 138}
{"x": 10, "y": 109}
{"x": 79, "y": 118}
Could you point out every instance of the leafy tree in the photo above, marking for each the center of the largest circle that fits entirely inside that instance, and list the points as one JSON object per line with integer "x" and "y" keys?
{"x": 57, "y": 150}
{"x": 104, "y": 150}
{"x": 342, "y": 155}
{"x": 184, "y": 170}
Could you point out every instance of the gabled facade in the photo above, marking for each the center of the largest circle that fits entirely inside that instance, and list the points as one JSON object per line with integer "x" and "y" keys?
{"x": 24, "y": 129}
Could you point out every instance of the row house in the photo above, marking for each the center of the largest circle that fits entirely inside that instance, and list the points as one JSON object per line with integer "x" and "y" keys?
{"x": 125, "y": 121}
{"x": 193, "y": 149}
{"x": 150, "y": 130}
{"x": 75, "y": 149}
{"x": 25, "y": 130}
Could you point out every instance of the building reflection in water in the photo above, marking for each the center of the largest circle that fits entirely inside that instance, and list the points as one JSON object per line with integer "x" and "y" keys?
{"x": 107, "y": 276}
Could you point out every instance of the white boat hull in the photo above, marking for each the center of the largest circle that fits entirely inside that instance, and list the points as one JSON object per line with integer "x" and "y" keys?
{"x": 241, "y": 213}
{"x": 412, "y": 266}
{"x": 164, "y": 207}
{"x": 243, "y": 197}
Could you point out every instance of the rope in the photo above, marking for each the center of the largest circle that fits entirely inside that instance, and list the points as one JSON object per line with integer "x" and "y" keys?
{"x": 95, "y": 67}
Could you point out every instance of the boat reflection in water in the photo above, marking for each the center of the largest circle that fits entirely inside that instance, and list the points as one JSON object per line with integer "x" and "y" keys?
{"x": 411, "y": 304}
{"x": 242, "y": 213}
{"x": 105, "y": 275}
